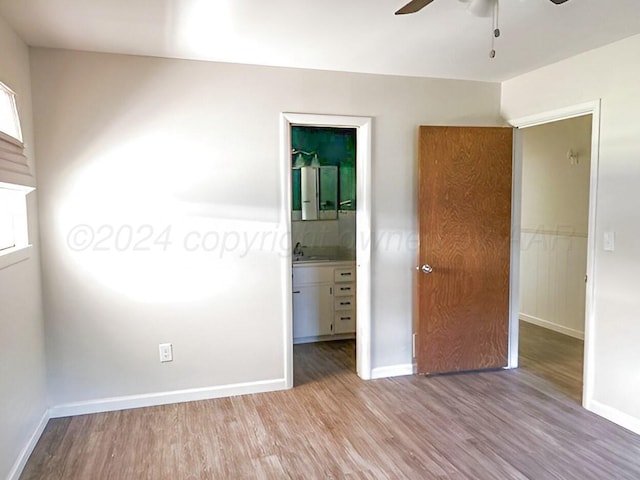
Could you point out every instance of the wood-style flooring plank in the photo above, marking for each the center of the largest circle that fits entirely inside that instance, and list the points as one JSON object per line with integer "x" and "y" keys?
{"x": 517, "y": 424}
{"x": 554, "y": 357}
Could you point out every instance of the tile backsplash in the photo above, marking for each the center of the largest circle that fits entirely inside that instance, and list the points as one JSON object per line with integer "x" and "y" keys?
{"x": 327, "y": 233}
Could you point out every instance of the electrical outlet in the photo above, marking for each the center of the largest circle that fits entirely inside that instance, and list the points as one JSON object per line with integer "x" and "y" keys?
{"x": 166, "y": 352}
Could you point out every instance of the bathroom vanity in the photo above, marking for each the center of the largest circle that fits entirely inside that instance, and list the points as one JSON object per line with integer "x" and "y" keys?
{"x": 324, "y": 300}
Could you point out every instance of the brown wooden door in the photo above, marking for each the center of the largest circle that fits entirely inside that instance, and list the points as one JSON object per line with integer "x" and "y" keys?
{"x": 465, "y": 237}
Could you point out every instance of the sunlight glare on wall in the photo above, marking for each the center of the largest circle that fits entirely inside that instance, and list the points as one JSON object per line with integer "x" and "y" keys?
{"x": 125, "y": 226}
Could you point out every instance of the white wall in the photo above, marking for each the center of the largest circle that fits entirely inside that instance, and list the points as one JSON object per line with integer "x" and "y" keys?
{"x": 555, "y": 193}
{"x": 129, "y": 141}
{"x": 612, "y": 74}
{"x": 554, "y": 224}
{"x": 23, "y": 401}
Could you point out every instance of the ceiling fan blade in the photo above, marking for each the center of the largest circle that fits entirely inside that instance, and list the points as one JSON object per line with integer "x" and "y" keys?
{"x": 414, "y": 6}
{"x": 559, "y": 2}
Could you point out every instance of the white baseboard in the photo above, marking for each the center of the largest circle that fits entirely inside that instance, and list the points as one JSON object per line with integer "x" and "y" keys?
{"x": 164, "y": 398}
{"x": 552, "y": 326}
{"x": 392, "y": 371}
{"x": 21, "y": 461}
{"x": 614, "y": 415}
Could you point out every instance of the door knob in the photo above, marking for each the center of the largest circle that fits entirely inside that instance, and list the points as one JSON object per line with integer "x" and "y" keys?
{"x": 425, "y": 268}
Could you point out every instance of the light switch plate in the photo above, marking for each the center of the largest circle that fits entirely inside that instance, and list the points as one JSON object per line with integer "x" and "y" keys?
{"x": 609, "y": 241}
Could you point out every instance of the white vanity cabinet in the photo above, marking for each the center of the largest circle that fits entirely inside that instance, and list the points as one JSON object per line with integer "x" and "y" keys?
{"x": 312, "y": 311}
{"x": 323, "y": 301}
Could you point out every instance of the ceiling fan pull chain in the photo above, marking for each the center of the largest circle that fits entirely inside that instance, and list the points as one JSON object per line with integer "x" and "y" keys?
{"x": 496, "y": 28}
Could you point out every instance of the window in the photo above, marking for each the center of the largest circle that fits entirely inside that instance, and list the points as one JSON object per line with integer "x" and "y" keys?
{"x": 7, "y": 229}
{"x": 14, "y": 165}
{"x": 15, "y": 182}
{"x": 14, "y": 237}
{"x": 13, "y": 217}
{"x": 9, "y": 120}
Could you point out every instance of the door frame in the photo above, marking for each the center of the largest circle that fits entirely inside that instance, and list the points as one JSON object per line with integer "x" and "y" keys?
{"x": 363, "y": 126}
{"x": 589, "y": 108}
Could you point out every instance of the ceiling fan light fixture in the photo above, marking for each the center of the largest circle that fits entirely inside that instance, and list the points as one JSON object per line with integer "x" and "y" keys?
{"x": 481, "y": 8}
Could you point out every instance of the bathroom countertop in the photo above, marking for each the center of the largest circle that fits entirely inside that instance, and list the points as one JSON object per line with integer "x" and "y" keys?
{"x": 321, "y": 261}
{"x": 324, "y": 256}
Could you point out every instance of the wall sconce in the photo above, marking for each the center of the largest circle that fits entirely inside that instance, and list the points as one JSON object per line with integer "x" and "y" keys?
{"x": 573, "y": 157}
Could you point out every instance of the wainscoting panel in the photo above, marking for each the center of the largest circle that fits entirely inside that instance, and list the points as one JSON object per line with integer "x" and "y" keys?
{"x": 552, "y": 280}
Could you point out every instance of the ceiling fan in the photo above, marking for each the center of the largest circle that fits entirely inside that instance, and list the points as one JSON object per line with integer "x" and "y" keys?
{"x": 479, "y": 8}
{"x": 416, "y": 5}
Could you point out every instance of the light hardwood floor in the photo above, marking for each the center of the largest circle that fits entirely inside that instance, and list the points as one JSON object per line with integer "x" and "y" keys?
{"x": 553, "y": 356}
{"x": 497, "y": 425}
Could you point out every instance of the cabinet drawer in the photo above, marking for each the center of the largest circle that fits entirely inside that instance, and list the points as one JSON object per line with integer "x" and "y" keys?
{"x": 345, "y": 303}
{"x": 345, "y": 322}
{"x": 345, "y": 289}
{"x": 312, "y": 275}
{"x": 344, "y": 274}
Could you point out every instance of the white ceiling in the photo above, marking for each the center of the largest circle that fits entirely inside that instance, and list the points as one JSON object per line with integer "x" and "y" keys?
{"x": 442, "y": 40}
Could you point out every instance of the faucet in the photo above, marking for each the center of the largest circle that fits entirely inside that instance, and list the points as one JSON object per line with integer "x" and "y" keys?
{"x": 297, "y": 250}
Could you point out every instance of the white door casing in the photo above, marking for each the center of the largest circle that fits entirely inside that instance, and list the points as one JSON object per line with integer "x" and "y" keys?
{"x": 588, "y": 108}
{"x": 363, "y": 126}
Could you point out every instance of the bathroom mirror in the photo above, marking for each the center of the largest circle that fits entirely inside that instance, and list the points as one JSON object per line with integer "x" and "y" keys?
{"x": 315, "y": 193}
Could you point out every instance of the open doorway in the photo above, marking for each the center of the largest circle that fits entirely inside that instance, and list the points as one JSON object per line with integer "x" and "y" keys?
{"x": 556, "y": 165}
{"x": 327, "y": 197}
{"x": 555, "y": 188}
{"x": 323, "y": 234}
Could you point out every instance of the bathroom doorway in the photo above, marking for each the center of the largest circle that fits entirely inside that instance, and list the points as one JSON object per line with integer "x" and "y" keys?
{"x": 323, "y": 233}
{"x": 326, "y": 177}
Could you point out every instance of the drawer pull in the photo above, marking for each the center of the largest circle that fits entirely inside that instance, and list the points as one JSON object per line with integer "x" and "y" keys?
{"x": 345, "y": 274}
{"x": 296, "y": 291}
{"x": 345, "y": 289}
{"x": 345, "y": 318}
{"x": 345, "y": 303}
